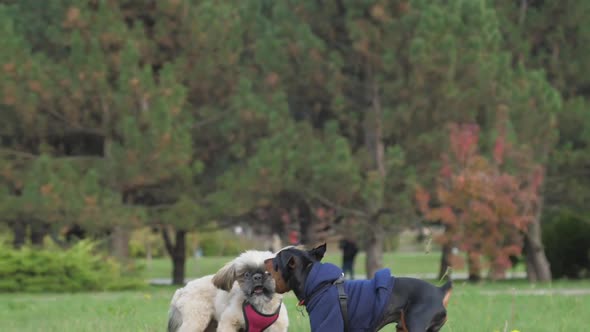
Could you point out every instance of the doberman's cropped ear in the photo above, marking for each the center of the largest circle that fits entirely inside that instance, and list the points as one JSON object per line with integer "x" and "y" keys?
{"x": 318, "y": 252}
{"x": 283, "y": 260}
{"x": 291, "y": 262}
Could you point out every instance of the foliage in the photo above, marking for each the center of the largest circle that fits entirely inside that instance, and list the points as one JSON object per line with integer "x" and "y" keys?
{"x": 554, "y": 37}
{"x": 224, "y": 243}
{"x": 565, "y": 236}
{"x": 77, "y": 269}
{"x": 211, "y": 243}
{"x": 144, "y": 238}
{"x": 178, "y": 114}
{"x": 93, "y": 126}
{"x": 486, "y": 204}
{"x": 568, "y": 179}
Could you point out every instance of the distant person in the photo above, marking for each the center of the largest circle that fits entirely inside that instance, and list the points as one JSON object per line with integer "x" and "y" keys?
{"x": 349, "y": 251}
{"x": 198, "y": 253}
{"x": 293, "y": 238}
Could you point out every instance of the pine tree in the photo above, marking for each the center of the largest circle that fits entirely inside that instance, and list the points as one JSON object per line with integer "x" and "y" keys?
{"x": 552, "y": 37}
{"x": 384, "y": 79}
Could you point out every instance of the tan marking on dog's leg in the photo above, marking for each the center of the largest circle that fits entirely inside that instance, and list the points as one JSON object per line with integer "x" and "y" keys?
{"x": 403, "y": 327}
{"x": 446, "y": 298}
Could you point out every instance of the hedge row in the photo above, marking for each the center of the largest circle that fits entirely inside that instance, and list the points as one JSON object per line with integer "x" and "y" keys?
{"x": 80, "y": 268}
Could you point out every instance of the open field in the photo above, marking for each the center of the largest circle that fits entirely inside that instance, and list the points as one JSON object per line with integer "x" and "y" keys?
{"x": 399, "y": 263}
{"x": 487, "y": 307}
{"x": 516, "y": 304}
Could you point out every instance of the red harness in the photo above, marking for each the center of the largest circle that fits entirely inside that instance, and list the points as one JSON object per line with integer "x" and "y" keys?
{"x": 257, "y": 321}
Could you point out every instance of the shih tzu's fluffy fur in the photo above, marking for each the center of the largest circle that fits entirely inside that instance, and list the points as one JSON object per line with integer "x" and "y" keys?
{"x": 215, "y": 302}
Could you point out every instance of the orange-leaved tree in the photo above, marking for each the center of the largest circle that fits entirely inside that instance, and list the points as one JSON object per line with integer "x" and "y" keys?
{"x": 484, "y": 202}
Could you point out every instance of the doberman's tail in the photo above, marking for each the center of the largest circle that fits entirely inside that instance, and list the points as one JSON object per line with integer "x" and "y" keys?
{"x": 446, "y": 289}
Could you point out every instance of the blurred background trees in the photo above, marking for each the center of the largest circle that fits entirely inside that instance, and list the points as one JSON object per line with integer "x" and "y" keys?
{"x": 306, "y": 118}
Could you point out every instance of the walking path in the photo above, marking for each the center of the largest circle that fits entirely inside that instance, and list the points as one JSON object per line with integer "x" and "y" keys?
{"x": 540, "y": 292}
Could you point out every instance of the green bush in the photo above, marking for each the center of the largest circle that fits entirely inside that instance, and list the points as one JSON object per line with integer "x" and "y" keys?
{"x": 567, "y": 247}
{"x": 223, "y": 243}
{"x": 141, "y": 239}
{"x": 79, "y": 268}
{"x": 217, "y": 243}
{"x": 391, "y": 243}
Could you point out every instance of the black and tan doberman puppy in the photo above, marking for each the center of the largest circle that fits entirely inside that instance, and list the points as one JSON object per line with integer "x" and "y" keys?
{"x": 358, "y": 305}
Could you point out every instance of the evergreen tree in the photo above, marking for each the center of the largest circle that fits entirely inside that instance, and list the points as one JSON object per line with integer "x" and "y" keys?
{"x": 553, "y": 37}
{"x": 181, "y": 114}
{"x": 384, "y": 79}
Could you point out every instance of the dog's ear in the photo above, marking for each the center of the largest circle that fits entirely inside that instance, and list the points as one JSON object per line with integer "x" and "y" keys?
{"x": 292, "y": 263}
{"x": 318, "y": 252}
{"x": 225, "y": 277}
{"x": 284, "y": 259}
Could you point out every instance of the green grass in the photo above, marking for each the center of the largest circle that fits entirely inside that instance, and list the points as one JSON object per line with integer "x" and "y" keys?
{"x": 399, "y": 263}
{"x": 471, "y": 309}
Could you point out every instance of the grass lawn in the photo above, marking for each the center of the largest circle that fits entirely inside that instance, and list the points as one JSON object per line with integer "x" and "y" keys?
{"x": 485, "y": 307}
{"x": 472, "y": 308}
{"x": 399, "y": 263}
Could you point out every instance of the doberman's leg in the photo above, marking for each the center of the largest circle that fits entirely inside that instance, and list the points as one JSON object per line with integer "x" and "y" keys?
{"x": 416, "y": 327}
{"x": 417, "y": 319}
{"x": 428, "y": 320}
{"x": 401, "y": 326}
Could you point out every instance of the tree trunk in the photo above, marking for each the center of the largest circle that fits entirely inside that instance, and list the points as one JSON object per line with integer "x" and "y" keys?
{"x": 305, "y": 215}
{"x": 121, "y": 234}
{"x": 373, "y": 130}
{"x": 474, "y": 266}
{"x": 537, "y": 265}
{"x": 120, "y": 242}
{"x": 374, "y": 248}
{"x": 38, "y": 232}
{"x": 445, "y": 260}
{"x": 179, "y": 258}
{"x": 148, "y": 253}
{"x": 177, "y": 252}
{"x": 19, "y": 230}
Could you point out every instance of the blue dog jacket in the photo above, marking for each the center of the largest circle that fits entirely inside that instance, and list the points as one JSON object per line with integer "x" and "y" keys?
{"x": 366, "y": 299}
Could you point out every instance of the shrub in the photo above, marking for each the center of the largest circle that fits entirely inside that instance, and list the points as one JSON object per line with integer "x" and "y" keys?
{"x": 79, "y": 268}
{"x": 223, "y": 243}
{"x": 567, "y": 247}
{"x": 391, "y": 242}
{"x": 143, "y": 237}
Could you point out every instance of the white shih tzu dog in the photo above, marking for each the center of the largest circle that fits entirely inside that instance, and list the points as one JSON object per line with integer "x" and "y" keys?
{"x": 239, "y": 297}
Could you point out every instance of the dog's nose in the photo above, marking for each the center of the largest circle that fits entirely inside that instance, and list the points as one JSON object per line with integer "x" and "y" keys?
{"x": 257, "y": 277}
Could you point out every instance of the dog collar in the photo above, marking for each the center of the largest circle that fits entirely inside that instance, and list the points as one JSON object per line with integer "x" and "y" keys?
{"x": 257, "y": 321}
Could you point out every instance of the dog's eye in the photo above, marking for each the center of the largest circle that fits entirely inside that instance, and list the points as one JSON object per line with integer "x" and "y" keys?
{"x": 247, "y": 274}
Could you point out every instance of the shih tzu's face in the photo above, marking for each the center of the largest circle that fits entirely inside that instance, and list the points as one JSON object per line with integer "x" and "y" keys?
{"x": 249, "y": 271}
{"x": 256, "y": 282}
